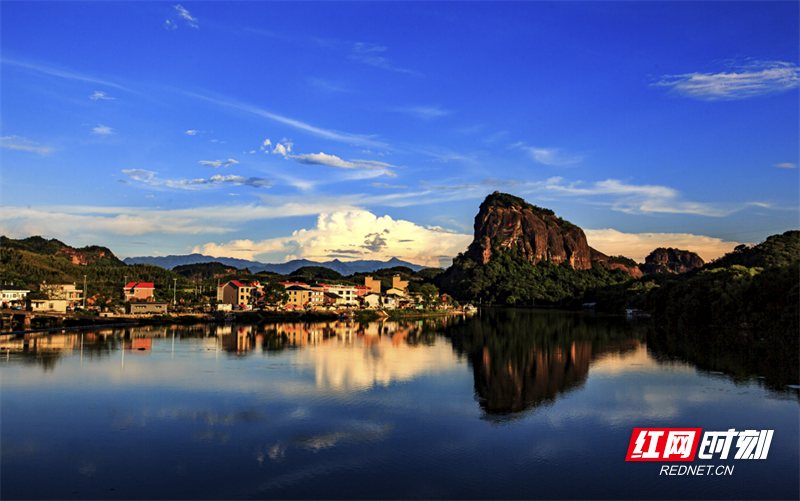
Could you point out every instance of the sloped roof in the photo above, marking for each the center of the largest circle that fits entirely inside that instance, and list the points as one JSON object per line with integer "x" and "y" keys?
{"x": 140, "y": 285}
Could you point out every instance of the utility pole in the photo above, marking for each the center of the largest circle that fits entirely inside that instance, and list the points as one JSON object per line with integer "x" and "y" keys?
{"x": 84, "y": 292}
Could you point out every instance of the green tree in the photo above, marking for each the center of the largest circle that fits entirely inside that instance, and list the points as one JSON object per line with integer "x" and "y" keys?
{"x": 429, "y": 294}
{"x": 274, "y": 294}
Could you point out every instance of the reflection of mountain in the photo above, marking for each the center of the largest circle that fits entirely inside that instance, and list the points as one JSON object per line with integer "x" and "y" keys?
{"x": 533, "y": 378}
{"x": 524, "y": 359}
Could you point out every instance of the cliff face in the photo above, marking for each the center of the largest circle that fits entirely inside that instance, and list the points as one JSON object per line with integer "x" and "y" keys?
{"x": 510, "y": 222}
{"x": 611, "y": 263}
{"x": 671, "y": 260}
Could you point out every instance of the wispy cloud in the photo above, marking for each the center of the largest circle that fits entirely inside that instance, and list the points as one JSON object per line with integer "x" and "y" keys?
{"x": 385, "y": 185}
{"x": 191, "y": 132}
{"x": 635, "y": 199}
{"x": 149, "y": 178}
{"x": 786, "y": 165}
{"x": 423, "y": 112}
{"x": 20, "y": 143}
{"x": 548, "y": 156}
{"x": 62, "y": 73}
{"x": 218, "y": 163}
{"x": 99, "y": 95}
{"x": 752, "y": 79}
{"x": 344, "y": 137}
{"x": 334, "y": 161}
{"x": 102, "y": 130}
{"x": 373, "y": 55}
{"x": 191, "y": 21}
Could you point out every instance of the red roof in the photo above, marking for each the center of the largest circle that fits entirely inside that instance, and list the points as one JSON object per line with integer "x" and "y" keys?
{"x": 140, "y": 285}
{"x": 363, "y": 287}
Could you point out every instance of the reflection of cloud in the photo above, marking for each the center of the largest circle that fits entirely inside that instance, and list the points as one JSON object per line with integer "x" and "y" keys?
{"x": 756, "y": 78}
{"x": 638, "y": 245}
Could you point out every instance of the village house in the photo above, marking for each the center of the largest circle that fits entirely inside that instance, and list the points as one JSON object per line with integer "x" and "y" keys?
{"x": 146, "y": 308}
{"x": 62, "y": 291}
{"x": 138, "y": 291}
{"x": 46, "y": 305}
{"x": 399, "y": 284}
{"x": 13, "y": 296}
{"x": 372, "y": 284}
{"x": 372, "y": 300}
{"x": 239, "y": 292}
{"x": 304, "y": 297}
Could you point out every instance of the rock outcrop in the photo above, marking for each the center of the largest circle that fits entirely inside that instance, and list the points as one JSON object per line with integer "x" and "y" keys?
{"x": 627, "y": 265}
{"x": 505, "y": 222}
{"x": 671, "y": 260}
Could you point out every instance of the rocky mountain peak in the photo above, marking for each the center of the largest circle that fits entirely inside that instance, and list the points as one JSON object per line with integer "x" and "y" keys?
{"x": 669, "y": 260}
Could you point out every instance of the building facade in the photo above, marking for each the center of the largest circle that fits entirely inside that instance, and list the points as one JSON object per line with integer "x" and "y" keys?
{"x": 239, "y": 292}
{"x": 67, "y": 292}
{"x": 138, "y": 291}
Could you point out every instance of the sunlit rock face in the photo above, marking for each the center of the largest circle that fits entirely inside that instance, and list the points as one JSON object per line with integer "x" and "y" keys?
{"x": 510, "y": 222}
{"x": 507, "y": 222}
{"x": 671, "y": 260}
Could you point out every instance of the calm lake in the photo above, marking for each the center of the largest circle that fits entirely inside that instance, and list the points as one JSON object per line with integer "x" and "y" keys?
{"x": 507, "y": 404}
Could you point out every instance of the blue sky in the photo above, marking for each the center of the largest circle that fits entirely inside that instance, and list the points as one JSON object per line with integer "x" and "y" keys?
{"x": 274, "y": 131}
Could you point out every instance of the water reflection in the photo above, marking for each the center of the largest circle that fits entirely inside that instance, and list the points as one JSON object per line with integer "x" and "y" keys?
{"x": 522, "y": 359}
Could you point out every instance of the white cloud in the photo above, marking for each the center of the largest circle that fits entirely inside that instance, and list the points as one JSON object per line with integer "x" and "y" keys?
{"x": 99, "y": 95}
{"x": 102, "y": 130}
{"x": 357, "y": 234}
{"x": 69, "y": 221}
{"x": 756, "y": 78}
{"x": 634, "y": 199}
{"x": 786, "y": 165}
{"x": 63, "y": 74}
{"x": 385, "y": 185}
{"x": 638, "y": 245}
{"x": 218, "y": 163}
{"x": 372, "y": 55}
{"x": 149, "y": 177}
{"x": 423, "y": 112}
{"x": 327, "y": 134}
{"x": 282, "y": 149}
{"x": 191, "y": 21}
{"x": 334, "y": 161}
{"x": 22, "y": 144}
{"x": 549, "y": 156}
{"x": 139, "y": 174}
{"x": 265, "y": 144}
{"x": 191, "y": 132}
{"x": 170, "y": 25}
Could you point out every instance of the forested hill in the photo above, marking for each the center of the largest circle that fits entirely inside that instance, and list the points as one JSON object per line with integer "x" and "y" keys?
{"x": 777, "y": 250}
{"x": 92, "y": 255}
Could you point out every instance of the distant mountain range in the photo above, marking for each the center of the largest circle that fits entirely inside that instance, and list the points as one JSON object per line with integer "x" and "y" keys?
{"x": 348, "y": 268}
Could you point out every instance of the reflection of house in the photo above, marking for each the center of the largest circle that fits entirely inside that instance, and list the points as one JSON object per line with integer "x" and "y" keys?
{"x": 239, "y": 292}
{"x": 62, "y": 291}
{"x": 138, "y": 291}
{"x": 146, "y": 308}
{"x": 12, "y": 296}
{"x": 47, "y": 305}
